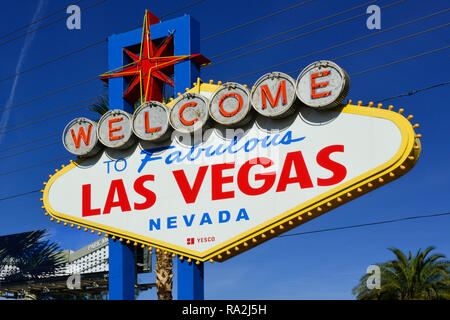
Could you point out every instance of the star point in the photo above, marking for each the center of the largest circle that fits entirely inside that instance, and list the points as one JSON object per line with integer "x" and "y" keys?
{"x": 152, "y": 67}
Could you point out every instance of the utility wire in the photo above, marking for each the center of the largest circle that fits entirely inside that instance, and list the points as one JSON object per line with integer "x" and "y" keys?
{"x": 386, "y": 43}
{"x": 299, "y": 233}
{"x": 352, "y": 41}
{"x": 84, "y": 47}
{"x": 54, "y": 59}
{"x": 344, "y": 56}
{"x": 383, "y": 44}
{"x": 291, "y": 30}
{"x": 50, "y": 93}
{"x": 29, "y": 142}
{"x": 45, "y": 119}
{"x": 36, "y": 21}
{"x": 400, "y": 61}
{"x": 79, "y": 83}
{"x": 376, "y": 68}
{"x": 365, "y": 224}
{"x": 47, "y": 25}
{"x": 412, "y": 92}
{"x": 34, "y": 165}
{"x": 19, "y": 195}
{"x": 255, "y": 20}
{"x": 29, "y": 150}
{"x": 182, "y": 8}
{"x": 65, "y": 107}
{"x": 392, "y": 41}
{"x": 296, "y": 37}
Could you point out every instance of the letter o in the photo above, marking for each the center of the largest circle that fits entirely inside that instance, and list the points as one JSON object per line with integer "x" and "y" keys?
{"x": 230, "y": 104}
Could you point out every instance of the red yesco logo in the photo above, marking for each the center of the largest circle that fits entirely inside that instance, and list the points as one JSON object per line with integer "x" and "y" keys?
{"x": 190, "y": 240}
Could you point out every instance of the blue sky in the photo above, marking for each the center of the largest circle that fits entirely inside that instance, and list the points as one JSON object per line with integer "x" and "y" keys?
{"x": 316, "y": 266}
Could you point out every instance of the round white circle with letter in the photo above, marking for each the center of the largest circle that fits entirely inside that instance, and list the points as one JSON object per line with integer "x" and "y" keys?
{"x": 189, "y": 113}
{"x": 80, "y": 137}
{"x": 322, "y": 84}
{"x": 273, "y": 95}
{"x": 230, "y": 104}
{"x": 150, "y": 121}
{"x": 114, "y": 129}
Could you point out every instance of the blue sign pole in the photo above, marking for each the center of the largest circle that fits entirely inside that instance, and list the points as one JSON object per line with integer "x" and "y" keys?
{"x": 190, "y": 280}
{"x": 121, "y": 271}
{"x": 190, "y": 275}
{"x": 121, "y": 256}
{"x": 186, "y": 41}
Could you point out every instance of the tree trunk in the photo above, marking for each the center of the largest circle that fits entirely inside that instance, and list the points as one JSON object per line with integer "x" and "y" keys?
{"x": 164, "y": 275}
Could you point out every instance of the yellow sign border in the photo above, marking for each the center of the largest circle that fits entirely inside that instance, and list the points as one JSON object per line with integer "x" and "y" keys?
{"x": 403, "y": 161}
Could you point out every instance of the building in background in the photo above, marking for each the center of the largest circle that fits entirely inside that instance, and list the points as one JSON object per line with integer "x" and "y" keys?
{"x": 83, "y": 275}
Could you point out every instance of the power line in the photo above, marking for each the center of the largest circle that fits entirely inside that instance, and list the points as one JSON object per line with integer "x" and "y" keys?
{"x": 29, "y": 150}
{"x": 45, "y": 119}
{"x": 84, "y": 47}
{"x": 412, "y": 92}
{"x": 352, "y": 41}
{"x": 49, "y": 112}
{"x": 76, "y": 84}
{"x": 385, "y": 65}
{"x": 33, "y": 165}
{"x": 336, "y": 58}
{"x": 296, "y": 37}
{"x": 36, "y": 21}
{"x": 54, "y": 59}
{"x": 50, "y": 93}
{"x": 47, "y": 25}
{"x": 383, "y": 44}
{"x": 19, "y": 195}
{"x": 371, "y": 69}
{"x": 365, "y": 224}
{"x": 399, "y": 61}
{"x": 393, "y": 41}
{"x": 291, "y": 30}
{"x": 298, "y": 233}
{"x": 29, "y": 142}
{"x": 255, "y": 20}
{"x": 182, "y": 8}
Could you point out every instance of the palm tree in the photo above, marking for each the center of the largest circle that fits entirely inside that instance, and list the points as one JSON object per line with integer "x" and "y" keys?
{"x": 164, "y": 275}
{"x": 27, "y": 256}
{"x": 164, "y": 263}
{"x": 424, "y": 276}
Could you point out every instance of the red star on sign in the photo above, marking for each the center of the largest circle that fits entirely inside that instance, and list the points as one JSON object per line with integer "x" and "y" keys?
{"x": 152, "y": 67}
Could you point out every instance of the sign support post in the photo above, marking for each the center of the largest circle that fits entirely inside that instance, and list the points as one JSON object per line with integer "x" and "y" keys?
{"x": 121, "y": 271}
{"x": 186, "y": 42}
{"x": 190, "y": 275}
{"x": 121, "y": 256}
{"x": 190, "y": 280}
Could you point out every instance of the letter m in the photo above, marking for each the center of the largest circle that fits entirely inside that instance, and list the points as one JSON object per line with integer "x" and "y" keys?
{"x": 81, "y": 135}
{"x": 266, "y": 94}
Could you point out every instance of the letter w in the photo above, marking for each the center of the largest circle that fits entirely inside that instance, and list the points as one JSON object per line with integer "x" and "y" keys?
{"x": 81, "y": 135}
{"x": 265, "y": 94}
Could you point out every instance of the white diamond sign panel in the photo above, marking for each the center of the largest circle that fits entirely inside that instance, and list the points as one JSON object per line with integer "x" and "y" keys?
{"x": 213, "y": 195}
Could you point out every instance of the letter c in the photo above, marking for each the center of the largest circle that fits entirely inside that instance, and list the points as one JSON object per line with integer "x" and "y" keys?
{"x": 181, "y": 111}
